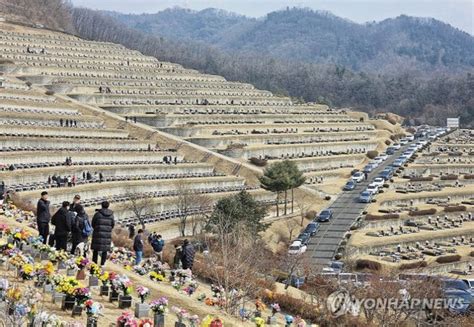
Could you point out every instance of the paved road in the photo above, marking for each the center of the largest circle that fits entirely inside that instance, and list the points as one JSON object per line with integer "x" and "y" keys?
{"x": 322, "y": 247}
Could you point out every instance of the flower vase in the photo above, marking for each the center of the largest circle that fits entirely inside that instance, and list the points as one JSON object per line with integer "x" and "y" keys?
{"x": 93, "y": 281}
{"x": 158, "y": 320}
{"x": 58, "y": 297}
{"x": 76, "y": 310}
{"x": 271, "y": 320}
{"x": 68, "y": 302}
{"x": 91, "y": 321}
{"x": 48, "y": 288}
{"x": 81, "y": 274}
{"x": 142, "y": 310}
{"x": 113, "y": 295}
{"x": 104, "y": 290}
{"x": 125, "y": 301}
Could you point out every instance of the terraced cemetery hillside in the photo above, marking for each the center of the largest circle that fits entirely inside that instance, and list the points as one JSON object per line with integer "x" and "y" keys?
{"x": 424, "y": 218}
{"x": 129, "y": 112}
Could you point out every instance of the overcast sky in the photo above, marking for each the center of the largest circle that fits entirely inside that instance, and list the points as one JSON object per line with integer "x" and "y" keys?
{"x": 459, "y": 13}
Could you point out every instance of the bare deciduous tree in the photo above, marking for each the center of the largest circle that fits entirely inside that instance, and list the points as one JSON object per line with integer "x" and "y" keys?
{"x": 139, "y": 205}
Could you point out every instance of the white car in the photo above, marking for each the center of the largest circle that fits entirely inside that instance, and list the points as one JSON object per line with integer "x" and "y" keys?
{"x": 374, "y": 164}
{"x": 396, "y": 146}
{"x": 297, "y": 248}
{"x": 403, "y": 141}
{"x": 410, "y": 138}
{"x": 383, "y": 156}
{"x": 379, "y": 181}
{"x": 372, "y": 188}
{"x": 378, "y": 160}
{"x": 358, "y": 177}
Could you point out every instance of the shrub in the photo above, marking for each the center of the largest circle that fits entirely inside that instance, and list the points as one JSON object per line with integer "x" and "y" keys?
{"x": 469, "y": 176}
{"x": 372, "y": 154}
{"x": 431, "y": 211}
{"x": 371, "y": 217}
{"x": 471, "y": 254}
{"x": 414, "y": 265}
{"x": 387, "y": 142}
{"x": 293, "y": 306}
{"x": 49, "y": 92}
{"x": 327, "y": 198}
{"x": 392, "y": 120}
{"x": 311, "y": 214}
{"x": 368, "y": 264}
{"x": 454, "y": 208}
{"x": 449, "y": 177}
{"x": 448, "y": 258}
{"x": 28, "y": 84}
{"x": 258, "y": 162}
{"x": 421, "y": 179}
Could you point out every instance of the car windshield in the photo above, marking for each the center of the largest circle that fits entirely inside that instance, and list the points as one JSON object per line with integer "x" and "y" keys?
{"x": 294, "y": 247}
{"x": 365, "y": 193}
{"x": 325, "y": 213}
{"x": 458, "y": 284}
{"x": 471, "y": 283}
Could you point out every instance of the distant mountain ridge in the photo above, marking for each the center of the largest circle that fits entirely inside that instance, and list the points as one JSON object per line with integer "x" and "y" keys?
{"x": 404, "y": 42}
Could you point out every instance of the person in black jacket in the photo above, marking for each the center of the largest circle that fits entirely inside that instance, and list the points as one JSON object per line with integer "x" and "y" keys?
{"x": 62, "y": 219}
{"x": 138, "y": 246}
{"x": 43, "y": 216}
{"x": 187, "y": 255}
{"x": 103, "y": 223}
{"x": 78, "y": 227}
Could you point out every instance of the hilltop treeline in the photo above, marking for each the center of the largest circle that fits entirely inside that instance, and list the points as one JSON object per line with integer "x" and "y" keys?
{"x": 54, "y": 14}
{"x": 419, "y": 99}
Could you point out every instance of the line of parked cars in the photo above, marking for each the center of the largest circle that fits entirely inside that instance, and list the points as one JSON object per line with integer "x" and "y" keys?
{"x": 300, "y": 245}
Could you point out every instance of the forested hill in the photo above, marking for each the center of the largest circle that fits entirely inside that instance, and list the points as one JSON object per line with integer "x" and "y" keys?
{"x": 404, "y": 42}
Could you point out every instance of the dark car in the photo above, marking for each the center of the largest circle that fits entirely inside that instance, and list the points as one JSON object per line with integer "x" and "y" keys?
{"x": 304, "y": 237}
{"x": 350, "y": 185}
{"x": 312, "y": 228}
{"x": 325, "y": 215}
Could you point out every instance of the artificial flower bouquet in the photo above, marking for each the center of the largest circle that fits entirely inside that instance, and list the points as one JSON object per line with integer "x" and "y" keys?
{"x": 159, "y": 306}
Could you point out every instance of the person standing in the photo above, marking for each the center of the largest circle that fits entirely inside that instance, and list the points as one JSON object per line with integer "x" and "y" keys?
{"x": 157, "y": 243}
{"x": 131, "y": 231}
{"x": 43, "y": 216}
{"x": 103, "y": 223}
{"x": 78, "y": 231}
{"x": 138, "y": 246}
{"x": 62, "y": 220}
{"x": 177, "y": 256}
{"x": 76, "y": 201}
{"x": 187, "y": 257}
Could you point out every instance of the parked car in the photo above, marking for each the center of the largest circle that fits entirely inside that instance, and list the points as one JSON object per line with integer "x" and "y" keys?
{"x": 350, "y": 185}
{"x": 383, "y": 156}
{"x": 297, "y": 247}
{"x": 372, "y": 188}
{"x": 325, "y": 215}
{"x": 367, "y": 169}
{"x": 312, "y": 228}
{"x": 390, "y": 150}
{"x": 378, "y": 160}
{"x": 366, "y": 197}
{"x": 358, "y": 177}
{"x": 303, "y": 238}
{"x": 334, "y": 267}
{"x": 379, "y": 181}
{"x": 396, "y": 146}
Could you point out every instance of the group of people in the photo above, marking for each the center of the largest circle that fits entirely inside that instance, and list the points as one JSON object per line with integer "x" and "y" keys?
{"x": 68, "y": 122}
{"x": 104, "y": 89}
{"x": 184, "y": 253}
{"x": 71, "y": 224}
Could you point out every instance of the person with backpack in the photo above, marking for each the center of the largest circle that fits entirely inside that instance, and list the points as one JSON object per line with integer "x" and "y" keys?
{"x": 62, "y": 221}
{"x": 81, "y": 230}
{"x": 157, "y": 243}
{"x": 103, "y": 223}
